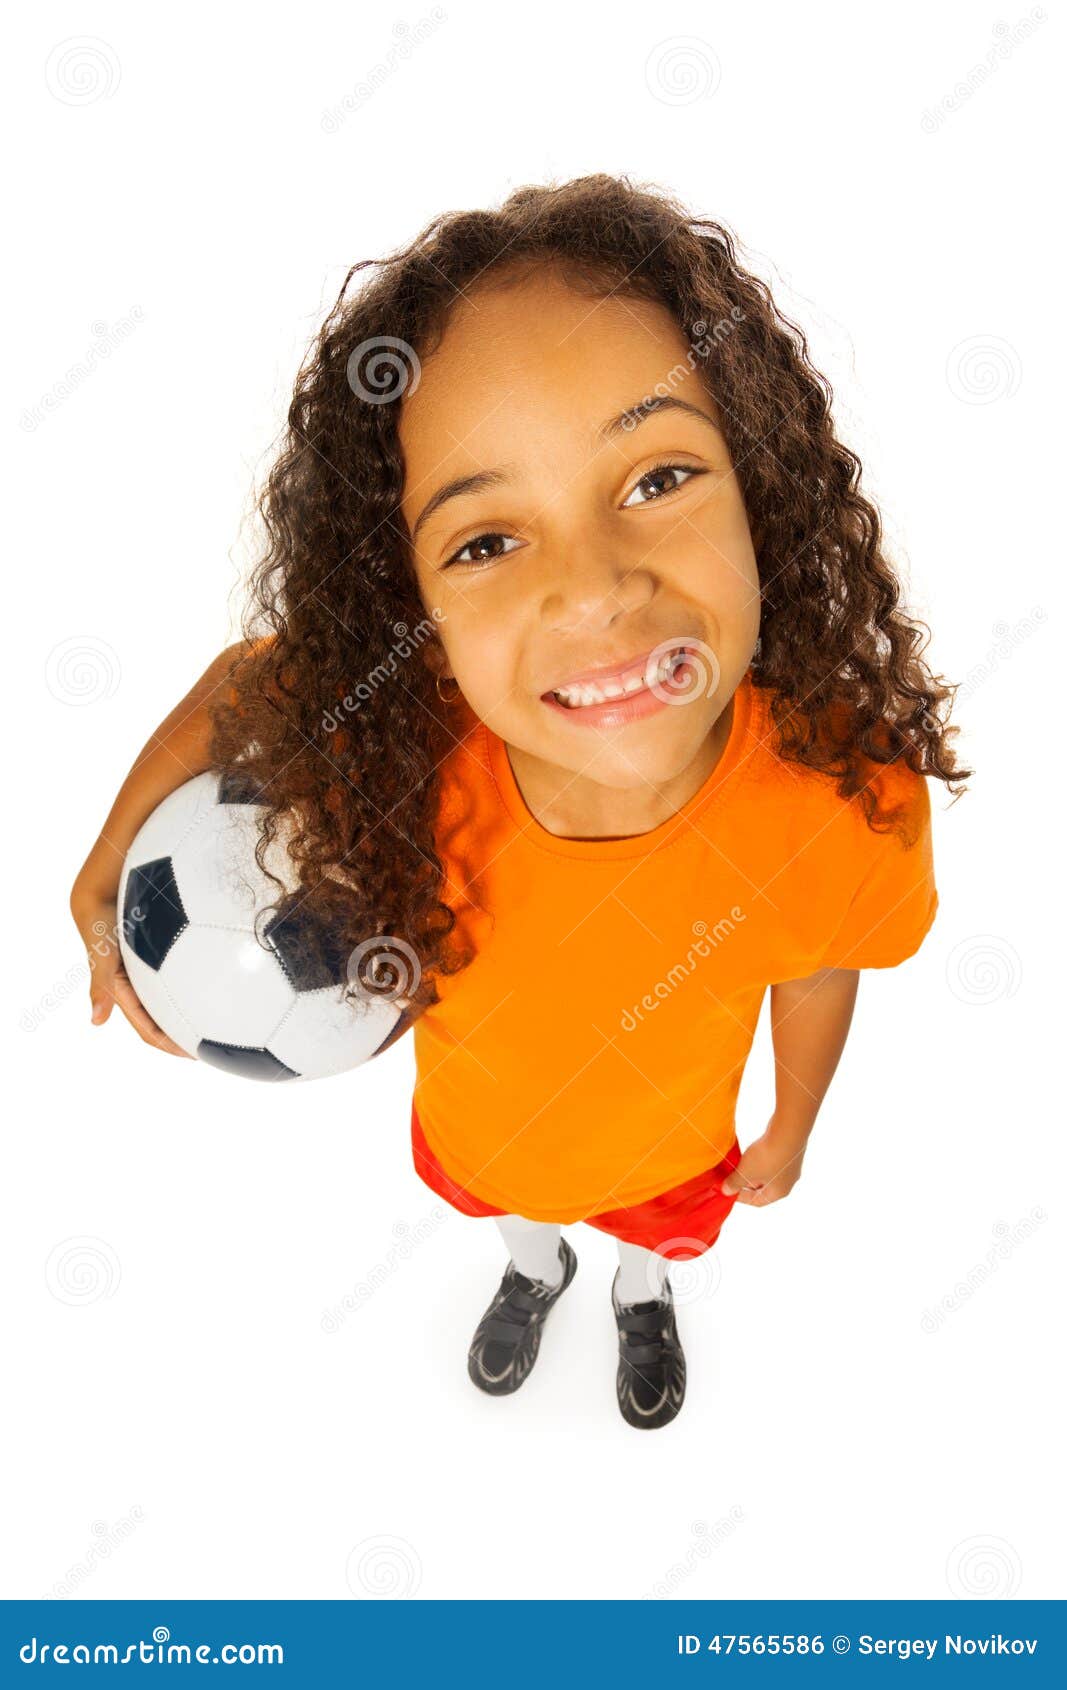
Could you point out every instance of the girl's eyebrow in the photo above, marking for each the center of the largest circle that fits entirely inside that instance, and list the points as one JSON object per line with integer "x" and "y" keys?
{"x": 626, "y": 421}
{"x": 463, "y": 484}
{"x": 634, "y": 415}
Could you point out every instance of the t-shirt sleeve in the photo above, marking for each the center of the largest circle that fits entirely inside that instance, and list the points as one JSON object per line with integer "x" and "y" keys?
{"x": 895, "y": 901}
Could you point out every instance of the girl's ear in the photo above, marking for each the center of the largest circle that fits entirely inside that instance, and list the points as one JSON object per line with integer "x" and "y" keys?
{"x": 441, "y": 670}
{"x": 436, "y": 660}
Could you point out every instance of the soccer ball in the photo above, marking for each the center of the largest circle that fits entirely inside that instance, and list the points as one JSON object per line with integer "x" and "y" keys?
{"x": 262, "y": 998}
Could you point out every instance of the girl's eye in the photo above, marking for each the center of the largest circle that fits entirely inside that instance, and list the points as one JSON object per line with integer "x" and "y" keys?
{"x": 657, "y": 473}
{"x": 479, "y": 541}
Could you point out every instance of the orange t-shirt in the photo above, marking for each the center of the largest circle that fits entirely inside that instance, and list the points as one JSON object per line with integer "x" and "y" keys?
{"x": 589, "y": 1057}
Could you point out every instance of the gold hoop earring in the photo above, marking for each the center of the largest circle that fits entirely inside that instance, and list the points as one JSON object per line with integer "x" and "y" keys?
{"x": 449, "y": 698}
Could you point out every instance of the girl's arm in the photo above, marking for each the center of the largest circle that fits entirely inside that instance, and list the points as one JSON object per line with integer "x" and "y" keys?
{"x": 810, "y": 1020}
{"x": 173, "y": 754}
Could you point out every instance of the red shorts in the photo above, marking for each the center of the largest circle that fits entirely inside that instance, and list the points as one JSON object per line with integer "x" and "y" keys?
{"x": 679, "y": 1223}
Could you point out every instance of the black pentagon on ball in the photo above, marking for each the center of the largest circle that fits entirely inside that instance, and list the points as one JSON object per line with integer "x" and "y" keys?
{"x": 153, "y": 914}
{"x": 308, "y": 949}
{"x": 247, "y": 1062}
{"x": 236, "y": 786}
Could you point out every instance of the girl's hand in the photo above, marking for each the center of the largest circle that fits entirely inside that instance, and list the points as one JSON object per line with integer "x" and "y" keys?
{"x": 768, "y": 1169}
{"x": 96, "y": 920}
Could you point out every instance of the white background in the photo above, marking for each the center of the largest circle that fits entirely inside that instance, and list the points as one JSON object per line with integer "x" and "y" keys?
{"x": 179, "y": 1423}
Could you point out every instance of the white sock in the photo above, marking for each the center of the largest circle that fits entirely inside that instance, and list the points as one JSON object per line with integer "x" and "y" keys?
{"x": 534, "y": 1247}
{"x": 642, "y": 1274}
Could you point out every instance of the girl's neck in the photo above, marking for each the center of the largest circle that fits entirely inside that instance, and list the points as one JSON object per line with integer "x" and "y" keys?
{"x": 573, "y": 807}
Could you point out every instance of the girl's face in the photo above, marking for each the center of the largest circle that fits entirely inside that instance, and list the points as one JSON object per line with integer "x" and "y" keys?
{"x": 552, "y": 539}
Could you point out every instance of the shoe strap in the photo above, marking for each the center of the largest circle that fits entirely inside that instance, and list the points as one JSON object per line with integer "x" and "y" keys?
{"x": 504, "y": 1330}
{"x": 513, "y": 1316}
{"x": 642, "y": 1354}
{"x": 525, "y": 1300}
{"x": 651, "y": 1321}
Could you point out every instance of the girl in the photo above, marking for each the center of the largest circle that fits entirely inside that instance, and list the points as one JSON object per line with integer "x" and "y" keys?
{"x": 586, "y": 677}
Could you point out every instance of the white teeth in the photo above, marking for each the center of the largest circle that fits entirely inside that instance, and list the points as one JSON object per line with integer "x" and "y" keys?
{"x": 585, "y": 693}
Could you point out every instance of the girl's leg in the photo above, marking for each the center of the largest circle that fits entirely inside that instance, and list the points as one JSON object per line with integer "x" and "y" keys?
{"x": 642, "y": 1274}
{"x": 533, "y": 1246}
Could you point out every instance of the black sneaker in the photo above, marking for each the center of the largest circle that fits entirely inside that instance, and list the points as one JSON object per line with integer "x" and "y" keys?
{"x": 650, "y": 1383}
{"x": 508, "y": 1336}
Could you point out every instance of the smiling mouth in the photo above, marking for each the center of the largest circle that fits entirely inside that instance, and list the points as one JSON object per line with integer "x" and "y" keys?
{"x": 582, "y": 694}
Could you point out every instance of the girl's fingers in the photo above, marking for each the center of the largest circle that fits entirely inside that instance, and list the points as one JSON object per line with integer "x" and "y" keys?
{"x": 101, "y": 986}
{"x": 109, "y": 983}
{"x": 96, "y": 925}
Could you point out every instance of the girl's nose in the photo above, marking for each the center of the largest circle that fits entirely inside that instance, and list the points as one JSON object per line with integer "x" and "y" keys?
{"x": 593, "y": 584}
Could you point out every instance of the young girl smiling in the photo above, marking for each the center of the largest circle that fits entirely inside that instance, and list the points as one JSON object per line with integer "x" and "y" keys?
{"x": 656, "y": 742}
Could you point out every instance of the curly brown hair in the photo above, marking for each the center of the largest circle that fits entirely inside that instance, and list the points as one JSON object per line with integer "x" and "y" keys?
{"x": 336, "y": 588}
